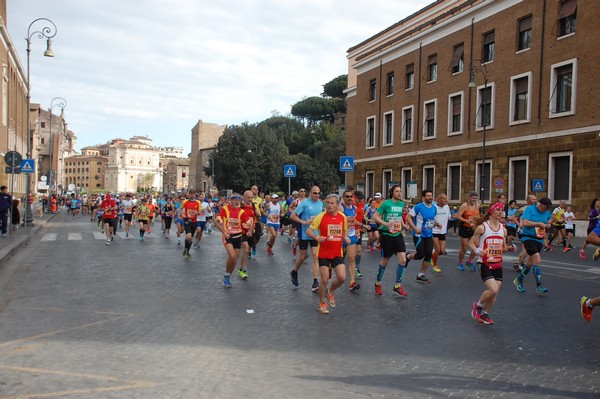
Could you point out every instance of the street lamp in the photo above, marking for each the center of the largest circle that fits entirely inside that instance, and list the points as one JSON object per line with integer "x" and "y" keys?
{"x": 62, "y": 103}
{"x": 47, "y": 32}
{"x": 484, "y": 118}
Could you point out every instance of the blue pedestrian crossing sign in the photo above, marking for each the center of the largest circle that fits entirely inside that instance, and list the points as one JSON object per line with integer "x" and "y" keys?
{"x": 537, "y": 185}
{"x": 28, "y": 166}
{"x": 289, "y": 170}
{"x": 346, "y": 164}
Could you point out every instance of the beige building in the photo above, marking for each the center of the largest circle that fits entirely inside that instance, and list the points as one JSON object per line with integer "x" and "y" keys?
{"x": 176, "y": 175}
{"x": 421, "y": 117}
{"x": 13, "y": 107}
{"x": 204, "y": 138}
{"x": 85, "y": 173}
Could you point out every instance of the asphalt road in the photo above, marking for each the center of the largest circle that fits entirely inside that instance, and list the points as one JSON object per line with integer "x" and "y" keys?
{"x": 79, "y": 319}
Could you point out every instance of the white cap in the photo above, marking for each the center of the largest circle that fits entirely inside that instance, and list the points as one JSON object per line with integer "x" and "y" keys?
{"x": 274, "y": 196}
{"x": 295, "y": 192}
{"x": 377, "y": 195}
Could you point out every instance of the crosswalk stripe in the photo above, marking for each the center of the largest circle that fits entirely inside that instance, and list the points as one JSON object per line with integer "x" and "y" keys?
{"x": 49, "y": 237}
{"x": 99, "y": 236}
{"x": 74, "y": 236}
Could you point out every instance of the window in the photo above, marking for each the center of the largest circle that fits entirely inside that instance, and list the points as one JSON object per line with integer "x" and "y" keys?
{"x": 567, "y": 17}
{"x": 458, "y": 63}
{"x": 429, "y": 177}
{"x": 432, "y": 68}
{"x": 407, "y": 124}
{"x": 370, "y": 183}
{"x": 388, "y": 137}
{"x": 372, "y": 90}
{"x": 386, "y": 181}
{"x": 487, "y": 178}
{"x": 410, "y": 76}
{"x": 519, "y": 98}
{"x": 488, "y": 47}
{"x": 563, "y": 80}
{"x": 524, "y": 36}
{"x": 429, "y": 125}
{"x": 559, "y": 176}
{"x": 517, "y": 178}
{"x": 453, "y": 189}
{"x": 43, "y": 140}
{"x": 455, "y": 113}
{"x": 370, "y": 133}
{"x": 43, "y": 124}
{"x": 485, "y": 106}
{"x": 390, "y": 84}
{"x": 406, "y": 180}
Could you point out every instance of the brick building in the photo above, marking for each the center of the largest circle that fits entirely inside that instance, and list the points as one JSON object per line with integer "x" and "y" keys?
{"x": 85, "y": 173}
{"x": 423, "y": 94}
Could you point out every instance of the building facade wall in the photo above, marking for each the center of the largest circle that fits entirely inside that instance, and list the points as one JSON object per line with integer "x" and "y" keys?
{"x": 85, "y": 173}
{"x": 546, "y": 141}
{"x": 204, "y": 136}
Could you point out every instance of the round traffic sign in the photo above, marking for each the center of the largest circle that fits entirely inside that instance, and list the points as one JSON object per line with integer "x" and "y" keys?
{"x": 43, "y": 178}
{"x": 13, "y": 158}
{"x": 499, "y": 182}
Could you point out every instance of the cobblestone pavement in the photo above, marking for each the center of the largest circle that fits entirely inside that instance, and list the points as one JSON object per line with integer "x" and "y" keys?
{"x": 137, "y": 320}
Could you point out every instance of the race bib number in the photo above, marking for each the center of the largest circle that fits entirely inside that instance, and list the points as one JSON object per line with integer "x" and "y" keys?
{"x": 192, "y": 212}
{"x": 395, "y": 226}
{"x": 128, "y": 209}
{"x": 334, "y": 230}
{"x": 429, "y": 224}
{"x": 275, "y": 218}
{"x": 540, "y": 232}
{"x": 234, "y": 225}
{"x": 494, "y": 253}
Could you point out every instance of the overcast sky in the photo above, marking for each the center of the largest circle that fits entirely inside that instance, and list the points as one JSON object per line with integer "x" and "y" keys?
{"x": 156, "y": 67}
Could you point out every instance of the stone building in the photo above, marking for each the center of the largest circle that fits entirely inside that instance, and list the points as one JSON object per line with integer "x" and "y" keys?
{"x": 507, "y": 84}
{"x": 176, "y": 175}
{"x": 85, "y": 173}
{"x": 204, "y": 138}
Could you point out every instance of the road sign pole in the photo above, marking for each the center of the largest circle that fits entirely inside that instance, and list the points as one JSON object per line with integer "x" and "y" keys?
{"x": 289, "y": 185}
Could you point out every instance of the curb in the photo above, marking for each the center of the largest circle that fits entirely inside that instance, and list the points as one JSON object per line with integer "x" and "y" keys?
{"x": 7, "y": 252}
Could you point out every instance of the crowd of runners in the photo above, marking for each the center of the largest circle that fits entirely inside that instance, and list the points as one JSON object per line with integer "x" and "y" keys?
{"x": 337, "y": 228}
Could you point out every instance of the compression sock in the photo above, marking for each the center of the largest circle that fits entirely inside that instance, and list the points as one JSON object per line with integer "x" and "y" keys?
{"x": 537, "y": 273}
{"x": 380, "y": 271}
{"x": 399, "y": 273}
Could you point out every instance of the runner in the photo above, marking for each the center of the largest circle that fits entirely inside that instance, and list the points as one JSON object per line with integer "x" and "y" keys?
{"x": 109, "y": 213}
{"x": 558, "y": 227}
{"x": 167, "y": 212}
{"x": 348, "y": 208}
{"x": 593, "y": 217}
{"x": 535, "y": 221}
{"x": 442, "y": 217}
{"x": 466, "y": 213}
{"x": 179, "y": 218}
{"x": 128, "y": 208}
{"x": 421, "y": 220}
{"x": 75, "y": 205}
{"x": 248, "y": 237}
{"x": 389, "y": 218}
{"x": 274, "y": 213}
{"x": 304, "y": 213}
{"x": 488, "y": 243}
{"x": 190, "y": 209}
{"x": 201, "y": 221}
{"x": 332, "y": 229}
{"x": 231, "y": 221}
{"x": 372, "y": 227}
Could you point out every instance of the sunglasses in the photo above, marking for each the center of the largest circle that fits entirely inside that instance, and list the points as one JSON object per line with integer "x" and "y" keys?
{"x": 316, "y": 193}
{"x": 347, "y": 196}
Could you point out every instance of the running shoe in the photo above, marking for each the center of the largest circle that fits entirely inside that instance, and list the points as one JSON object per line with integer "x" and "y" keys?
{"x": 354, "y": 286}
{"x": 586, "y": 311}
{"x": 368, "y": 249}
{"x": 107, "y": 243}
{"x": 227, "y": 281}
{"x": 378, "y": 247}
{"x": 471, "y": 266}
{"x": 398, "y": 289}
{"x": 519, "y": 284}
{"x": 242, "y": 274}
{"x": 596, "y": 255}
{"x": 315, "y": 286}
{"x": 331, "y": 300}
{"x": 294, "y": 275}
{"x": 194, "y": 245}
{"x": 141, "y": 238}
{"x": 323, "y": 308}
{"x": 269, "y": 250}
{"x": 476, "y": 312}
{"x": 126, "y": 234}
{"x": 581, "y": 254}
{"x": 253, "y": 251}
{"x": 358, "y": 274}
{"x": 517, "y": 266}
{"x": 423, "y": 279}
{"x": 436, "y": 268}
{"x": 187, "y": 254}
{"x": 378, "y": 290}
{"x": 294, "y": 249}
{"x": 566, "y": 249}
{"x": 548, "y": 248}
{"x": 541, "y": 289}
{"x": 460, "y": 267}
{"x": 485, "y": 319}
{"x": 112, "y": 238}
{"x": 570, "y": 246}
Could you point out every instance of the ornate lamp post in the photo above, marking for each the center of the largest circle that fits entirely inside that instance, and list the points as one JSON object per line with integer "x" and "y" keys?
{"x": 484, "y": 119}
{"x": 47, "y": 32}
{"x": 62, "y": 103}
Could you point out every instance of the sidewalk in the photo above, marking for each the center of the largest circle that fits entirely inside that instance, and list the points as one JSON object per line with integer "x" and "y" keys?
{"x": 21, "y": 237}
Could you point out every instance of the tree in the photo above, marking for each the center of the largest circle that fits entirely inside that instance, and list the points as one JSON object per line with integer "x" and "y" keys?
{"x": 335, "y": 87}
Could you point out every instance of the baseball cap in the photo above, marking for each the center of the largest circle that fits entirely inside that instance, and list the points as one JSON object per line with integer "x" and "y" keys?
{"x": 235, "y": 196}
{"x": 295, "y": 192}
{"x": 274, "y": 196}
{"x": 545, "y": 201}
{"x": 378, "y": 195}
